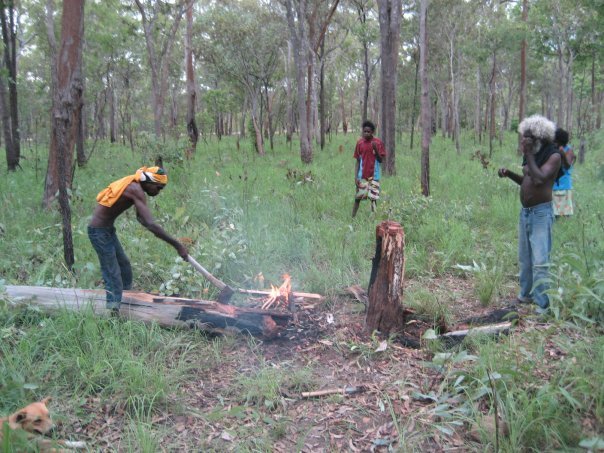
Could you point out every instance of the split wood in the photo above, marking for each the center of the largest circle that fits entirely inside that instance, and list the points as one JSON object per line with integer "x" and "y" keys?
{"x": 343, "y": 391}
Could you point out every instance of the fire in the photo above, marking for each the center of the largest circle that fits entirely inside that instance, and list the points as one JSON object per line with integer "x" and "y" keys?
{"x": 279, "y": 295}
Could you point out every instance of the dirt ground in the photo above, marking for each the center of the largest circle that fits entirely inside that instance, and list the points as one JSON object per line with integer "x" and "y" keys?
{"x": 330, "y": 343}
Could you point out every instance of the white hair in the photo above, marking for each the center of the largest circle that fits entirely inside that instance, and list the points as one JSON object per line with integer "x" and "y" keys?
{"x": 540, "y": 127}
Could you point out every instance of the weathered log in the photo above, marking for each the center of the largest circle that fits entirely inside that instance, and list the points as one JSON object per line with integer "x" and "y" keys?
{"x": 385, "y": 311}
{"x": 166, "y": 311}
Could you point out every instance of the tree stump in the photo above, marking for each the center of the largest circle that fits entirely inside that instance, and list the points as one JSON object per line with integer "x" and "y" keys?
{"x": 385, "y": 311}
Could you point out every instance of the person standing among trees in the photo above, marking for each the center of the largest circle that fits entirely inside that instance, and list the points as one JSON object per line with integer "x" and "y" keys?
{"x": 369, "y": 153}
{"x": 540, "y": 167}
{"x": 119, "y": 196}
{"x": 563, "y": 186}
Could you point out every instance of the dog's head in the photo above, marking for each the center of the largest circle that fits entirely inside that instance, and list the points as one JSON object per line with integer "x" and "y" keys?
{"x": 34, "y": 418}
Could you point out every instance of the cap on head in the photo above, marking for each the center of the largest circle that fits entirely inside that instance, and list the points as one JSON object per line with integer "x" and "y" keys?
{"x": 539, "y": 127}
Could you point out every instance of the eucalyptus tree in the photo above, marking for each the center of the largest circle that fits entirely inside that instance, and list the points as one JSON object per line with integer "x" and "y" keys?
{"x": 10, "y": 112}
{"x": 561, "y": 33}
{"x": 67, "y": 108}
{"x": 232, "y": 48}
{"x": 160, "y": 20}
{"x": 192, "y": 130}
{"x": 307, "y": 30}
{"x": 367, "y": 32}
{"x": 390, "y": 12}
{"x": 523, "y": 49}
{"x": 426, "y": 118}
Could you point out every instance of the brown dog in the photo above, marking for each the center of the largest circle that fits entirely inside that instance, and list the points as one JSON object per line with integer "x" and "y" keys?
{"x": 35, "y": 419}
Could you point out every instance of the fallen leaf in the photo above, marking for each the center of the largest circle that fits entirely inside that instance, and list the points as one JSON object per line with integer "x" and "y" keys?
{"x": 382, "y": 347}
{"x": 226, "y": 436}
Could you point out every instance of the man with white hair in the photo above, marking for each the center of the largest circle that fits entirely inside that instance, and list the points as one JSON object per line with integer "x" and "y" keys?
{"x": 540, "y": 168}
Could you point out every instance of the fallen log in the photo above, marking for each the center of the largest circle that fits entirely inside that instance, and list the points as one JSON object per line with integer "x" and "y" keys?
{"x": 166, "y": 311}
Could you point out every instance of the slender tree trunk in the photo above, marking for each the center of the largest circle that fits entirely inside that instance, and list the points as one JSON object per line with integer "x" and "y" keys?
{"x": 51, "y": 181}
{"x": 10, "y": 61}
{"x": 192, "y": 130}
{"x": 593, "y": 92}
{"x": 390, "y": 12}
{"x": 492, "y": 97}
{"x": 301, "y": 51}
{"x": 289, "y": 121}
{"x": 322, "y": 97}
{"x": 561, "y": 86}
{"x": 12, "y": 160}
{"x": 414, "y": 107}
{"x": 477, "y": 107}
{"x": 112, "y": 115}
{"x": 454, "y": 95}
{"x": 256, "y": 121}
{"x": 158, "y": 61}
{"x": 67, "y": 108}
{"x": 523, "y": 47}
{"x": 426, "y": 120}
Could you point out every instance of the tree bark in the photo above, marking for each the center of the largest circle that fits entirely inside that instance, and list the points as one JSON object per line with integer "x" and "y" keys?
{"x": 390, "y": 12}
{"x": 492, "y": 99}
{"x": 385, "y": 311}
{"x": 51, "y": 181}
{"x": 289, "y": 125}
{"x": 425, "y": 115}
{"x": 10, "y": 61}
{"x": 414, "y": 105}
{"x": 192, "y": 130}
{"x": 523, "y": 47}
{"x": 295, "y": 21}
{"x": 67, "y": 107}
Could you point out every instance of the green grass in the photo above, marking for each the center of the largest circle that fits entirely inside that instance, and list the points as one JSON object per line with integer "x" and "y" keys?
{"x": 248, "y": 215}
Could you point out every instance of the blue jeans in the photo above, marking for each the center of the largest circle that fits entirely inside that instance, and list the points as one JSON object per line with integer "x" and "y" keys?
{"x": 534, "y": 247}
{"x": 115, "y": 265}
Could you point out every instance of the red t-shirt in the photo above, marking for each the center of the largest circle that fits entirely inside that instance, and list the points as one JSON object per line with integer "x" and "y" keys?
{"x": 369, "y": 167}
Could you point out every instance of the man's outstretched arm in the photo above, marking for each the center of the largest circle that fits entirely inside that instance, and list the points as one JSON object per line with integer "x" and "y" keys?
{"x": 144, "y": 216}
{"x": 505, "y": 173}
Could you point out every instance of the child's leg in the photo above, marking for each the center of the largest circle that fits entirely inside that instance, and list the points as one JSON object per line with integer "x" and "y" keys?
{"x": 355, "y": 208}
{"x": 373, "y": 205}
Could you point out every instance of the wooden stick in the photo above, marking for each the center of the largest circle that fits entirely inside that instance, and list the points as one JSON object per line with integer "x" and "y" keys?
{"x": 342, "y": 391}
{"x": 258, "y": 292}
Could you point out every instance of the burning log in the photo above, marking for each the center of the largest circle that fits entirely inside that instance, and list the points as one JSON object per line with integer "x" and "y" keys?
{"x": 279, "y": 296}
{"x": 385, "y": 311}
{"x": 167, "y": 311}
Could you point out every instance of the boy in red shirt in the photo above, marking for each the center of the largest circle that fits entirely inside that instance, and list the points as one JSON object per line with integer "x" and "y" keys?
{"x": 369, "y": 153}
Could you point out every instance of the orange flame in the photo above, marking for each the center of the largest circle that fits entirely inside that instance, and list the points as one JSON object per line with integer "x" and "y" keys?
{"x": 279, "y": 295}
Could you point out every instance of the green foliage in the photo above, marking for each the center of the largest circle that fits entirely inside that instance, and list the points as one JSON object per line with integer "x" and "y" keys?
{"x": 578, "y": 293}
